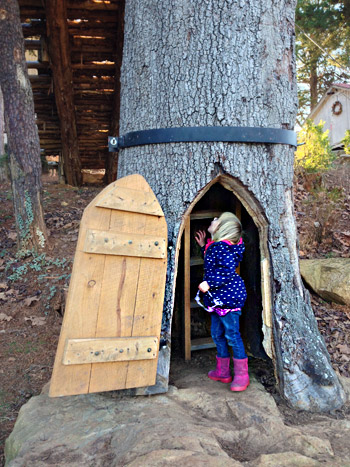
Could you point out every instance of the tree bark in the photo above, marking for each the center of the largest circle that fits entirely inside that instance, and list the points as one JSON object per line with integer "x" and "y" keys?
{"x": 219, "y": 63}
{"x": 112, "y": 157}
{"x": 313, "y": 86}
{"x": 59, "y": 52}
{"x": 23, "y": 145}
{"x": 4, "y": 175}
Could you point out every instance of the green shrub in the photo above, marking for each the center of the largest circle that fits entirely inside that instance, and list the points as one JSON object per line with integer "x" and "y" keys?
{"x": 346, "y": 142}
{"x": 315, "y": 153}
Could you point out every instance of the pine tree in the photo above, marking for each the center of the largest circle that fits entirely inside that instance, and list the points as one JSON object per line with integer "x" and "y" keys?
{"x": 325, "y": 24}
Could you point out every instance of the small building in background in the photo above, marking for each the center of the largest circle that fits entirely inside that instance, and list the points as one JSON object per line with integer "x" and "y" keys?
{"x": 334, "y": 110}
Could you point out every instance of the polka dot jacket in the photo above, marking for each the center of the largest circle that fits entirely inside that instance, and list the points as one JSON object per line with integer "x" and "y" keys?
{"x": 226, "y": 286}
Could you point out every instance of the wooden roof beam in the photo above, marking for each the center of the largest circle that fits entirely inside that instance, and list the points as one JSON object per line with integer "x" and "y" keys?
{"x": 102, "y": 15}
{"x": 89, "y": 33}
{"x": 27, "y": 12}
{"x": 32, "y": 44}
{"x": 97, "y": 28}
{"x": 92, "y": 48}
{"x": 101, "y": 67}
{"x": 91, "y": 73}
{"x": 76, "y": 4}
{"x": 59, "y": 52}
{"x": 89, "y": 57}
{"x": 38, "y": 80}
{"x": 30, "y": 3}
{"x": 95, "y": 83}
{"x": 34, "y": 29}
{"x": 35, "y": 65}
{"x": 92, "y": 5}
{"x": 81, "y": 41}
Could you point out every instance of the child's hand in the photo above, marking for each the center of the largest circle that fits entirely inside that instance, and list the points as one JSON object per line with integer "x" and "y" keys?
{"x": 204, "y": 286}
{"x": 200, "y": 237}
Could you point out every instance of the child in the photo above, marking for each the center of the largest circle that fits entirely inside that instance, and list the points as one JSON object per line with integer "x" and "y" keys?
{"x": 224, "y": 295}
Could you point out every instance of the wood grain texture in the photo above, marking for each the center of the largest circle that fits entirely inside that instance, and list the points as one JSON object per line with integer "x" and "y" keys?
{"x": 149, "y": 307}
{"x": 187, "y": 289}
{"x": 81, "y": 311}
{"x": 131, "y": 200}
{"x": 128, "y": 244}
{"x": 239, "y": 215}
{"x": 102, "y": 350}
{"x": 104, "y": 294}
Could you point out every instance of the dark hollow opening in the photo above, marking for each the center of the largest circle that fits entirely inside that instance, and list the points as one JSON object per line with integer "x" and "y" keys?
{"x": 215, "y": 201}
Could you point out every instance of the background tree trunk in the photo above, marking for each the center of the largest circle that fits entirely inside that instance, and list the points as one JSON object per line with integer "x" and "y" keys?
{"x": 217, "y": 63}
{"x": 22, "y": 133}
{"x": 4, "y": 175}
{"x": 313, "y": 86}
{"x": 59, "y": 51}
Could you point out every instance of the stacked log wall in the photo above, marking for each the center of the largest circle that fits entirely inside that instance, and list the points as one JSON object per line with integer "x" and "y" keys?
{"x": 93, "y": 29}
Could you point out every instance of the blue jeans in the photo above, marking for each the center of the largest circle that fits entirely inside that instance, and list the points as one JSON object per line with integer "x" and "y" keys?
{"x": 225, "y": 331}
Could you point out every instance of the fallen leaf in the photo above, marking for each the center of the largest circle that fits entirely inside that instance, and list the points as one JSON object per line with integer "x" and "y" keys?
{"x": 36, "y": 320}
{"x": 28, "y": 301}
{"x": 4, "y": 317}
{"x": 344, "y": 349}
{"x": 3, "y": 285}
{"x": 3, "y": 296}
{"x": 64, "y": 203}
{"x": 12, "y": 235}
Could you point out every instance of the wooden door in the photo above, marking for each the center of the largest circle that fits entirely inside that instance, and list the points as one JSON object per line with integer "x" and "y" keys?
{"x": 111, "y": 327}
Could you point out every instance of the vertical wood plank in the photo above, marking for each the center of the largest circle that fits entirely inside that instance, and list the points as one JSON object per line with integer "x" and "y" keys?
{"x": 117, "y": 302}
{"x": 147, "y": 318}
{"x": 187, "y": 289}
{"x": 239, "y": 215}
{"x": 81, "y": 311}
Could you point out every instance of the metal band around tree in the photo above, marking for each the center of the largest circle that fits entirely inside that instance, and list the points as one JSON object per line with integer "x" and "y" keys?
{"x": 228, "y": 134}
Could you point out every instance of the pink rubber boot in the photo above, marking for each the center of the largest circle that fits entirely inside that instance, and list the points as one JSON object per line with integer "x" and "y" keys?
{"x": 222, "y": 372}
{"x": 241, "y": 378}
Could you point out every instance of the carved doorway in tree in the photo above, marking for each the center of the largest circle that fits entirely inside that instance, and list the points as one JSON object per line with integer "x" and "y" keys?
{"x": 225, "y": 194}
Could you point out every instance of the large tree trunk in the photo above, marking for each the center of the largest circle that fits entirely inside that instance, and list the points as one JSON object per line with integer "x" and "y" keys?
{"x": 59, "y": 51}
{"x": 219, "y": 63}
{"x": 22, "y": 133}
